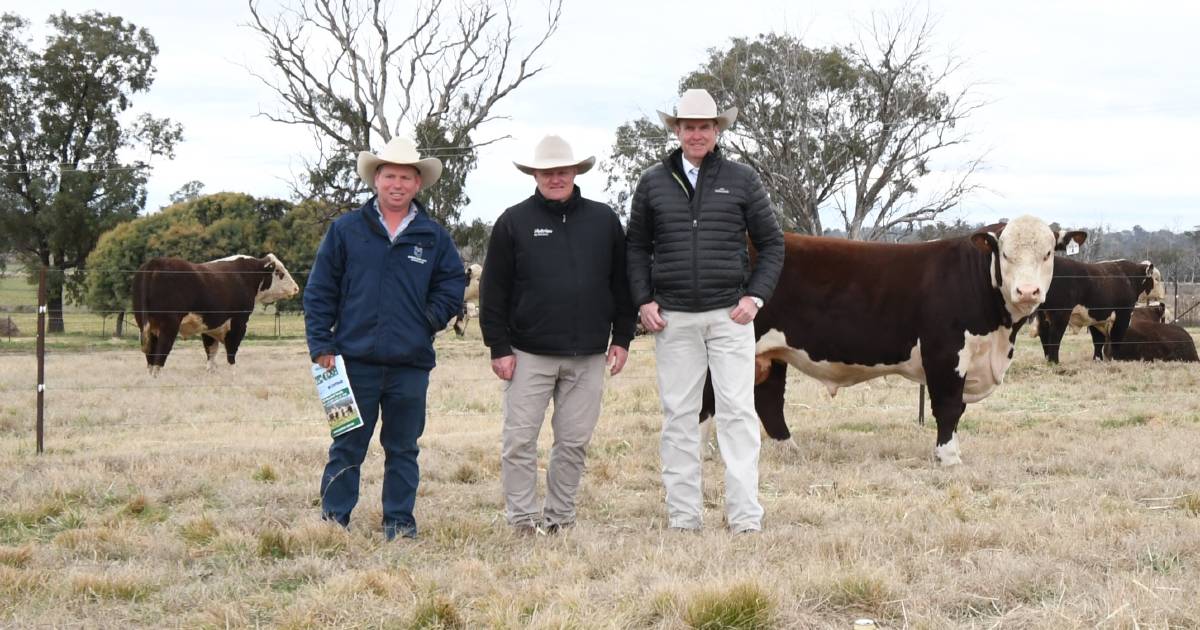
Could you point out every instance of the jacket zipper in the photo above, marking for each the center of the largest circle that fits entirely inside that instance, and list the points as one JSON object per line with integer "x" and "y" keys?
{"x": 695, "y": 207}
{"x": 575, "y": 275}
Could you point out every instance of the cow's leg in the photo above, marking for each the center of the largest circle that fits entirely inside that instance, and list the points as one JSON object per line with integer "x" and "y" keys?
{"x": 168, "y": 329}
{"x": 708, "y": 408}
{"x": 946, "y": 400}
{"x": 768, "y": 402}
{"x": 233, "y": 338}
{"x": 1050, "y": 333}
{"x": 1117, "y": 333}
{"x": 149, "y": 341}
{"x": 460, "y": 322}
{"x": 1098, "y": 343}
{"x": 211, "y": 346}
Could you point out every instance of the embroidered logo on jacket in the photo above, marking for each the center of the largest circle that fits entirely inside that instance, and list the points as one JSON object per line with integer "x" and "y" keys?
{"x": 723, "y": 191}
{"x": 542, "y": 232}
{"x": 416, "y": 255}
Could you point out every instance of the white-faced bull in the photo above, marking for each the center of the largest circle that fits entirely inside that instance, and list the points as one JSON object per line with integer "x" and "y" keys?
{"x": 214, "y": 299}
{"x": 943, "y": 313}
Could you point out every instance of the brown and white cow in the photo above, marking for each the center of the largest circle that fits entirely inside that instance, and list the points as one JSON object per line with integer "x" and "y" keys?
{"x": 214, "y": 299}
{"x": 943, "y": 313}
{"x": 1148, "y": 340}
{"x": 470, "y": 297}
{"x": 1100, "y": 296}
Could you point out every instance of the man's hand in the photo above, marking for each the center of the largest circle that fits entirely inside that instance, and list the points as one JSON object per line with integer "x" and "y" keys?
{"x": 745, "y": 311}
{"x": 504, "y": 367}
{"x": 616, "y": 359}
{"x": 651, "y": 317}
{"x": 326, "y": 361}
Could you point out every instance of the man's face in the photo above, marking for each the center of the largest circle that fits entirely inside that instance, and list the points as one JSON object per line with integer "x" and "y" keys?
{"x": 697, "y": 138}
{"x": 556, "y": 184}
{"x": 396, "y": 185}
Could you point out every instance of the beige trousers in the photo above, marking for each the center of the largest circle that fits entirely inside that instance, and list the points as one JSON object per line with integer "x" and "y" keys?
{"x": 690, "y": 344}
{"x": 576, "y": 385}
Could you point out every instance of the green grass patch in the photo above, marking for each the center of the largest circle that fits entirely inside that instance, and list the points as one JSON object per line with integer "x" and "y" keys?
{"x": 200, "y": 531}
{"x": 866, "y": 593}
{"x": 743, "y": 607}
{"x": 1136, "y": 420}
{"x": 275, "y": 543}
{"x": 857, "y": 427}
{"x": 437, "y": 613}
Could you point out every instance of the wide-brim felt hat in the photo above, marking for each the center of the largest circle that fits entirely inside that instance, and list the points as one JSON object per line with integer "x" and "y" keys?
{"x": 698, "y": 104}
{"x": 402, "y": 151}
{"x": 554, "y": 152}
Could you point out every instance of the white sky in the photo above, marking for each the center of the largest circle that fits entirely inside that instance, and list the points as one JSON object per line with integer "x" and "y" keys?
{"x": 1093, "y": 114}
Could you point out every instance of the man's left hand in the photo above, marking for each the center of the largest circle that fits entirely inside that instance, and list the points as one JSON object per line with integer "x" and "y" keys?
{"x": 616, "y": 359}
{"x": 745, "y": 311}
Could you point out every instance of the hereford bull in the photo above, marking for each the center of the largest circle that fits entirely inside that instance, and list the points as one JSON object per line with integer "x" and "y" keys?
{"x": 950, "y": 311}
{"x": 214, "y": 299}
{"x": 1100, "y": 296}
{"x": 470, "y": 296}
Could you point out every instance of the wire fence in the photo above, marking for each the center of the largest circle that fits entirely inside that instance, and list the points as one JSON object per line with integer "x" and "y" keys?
{"x": 24, "y": 314}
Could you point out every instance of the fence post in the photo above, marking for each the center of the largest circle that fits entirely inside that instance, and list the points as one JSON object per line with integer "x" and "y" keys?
{"x": 1176, "y": 280}
{"x": 277, "y": 323}
{"x": 921, "y": 407}
{"x": 41, "y": 358}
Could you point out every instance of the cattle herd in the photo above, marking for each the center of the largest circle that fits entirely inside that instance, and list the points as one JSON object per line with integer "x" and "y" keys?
{"x": 944, "y": 313}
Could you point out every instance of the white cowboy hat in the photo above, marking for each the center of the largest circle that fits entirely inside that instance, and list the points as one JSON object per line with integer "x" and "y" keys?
{"x": 403, "y": 151}
{"x": 554, "y": 152}
{"x": 697, "y": 104}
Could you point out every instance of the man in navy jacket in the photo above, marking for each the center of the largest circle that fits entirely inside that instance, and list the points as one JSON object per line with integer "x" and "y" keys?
{"x": 386, "y": 278}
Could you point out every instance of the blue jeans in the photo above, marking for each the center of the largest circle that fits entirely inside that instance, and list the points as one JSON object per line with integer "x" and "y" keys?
{"x": 400, "y": 393}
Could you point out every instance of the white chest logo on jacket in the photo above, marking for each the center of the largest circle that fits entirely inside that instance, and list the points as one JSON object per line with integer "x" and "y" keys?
{"x": 416, "y": 255}
{"x": 542, "y": 232}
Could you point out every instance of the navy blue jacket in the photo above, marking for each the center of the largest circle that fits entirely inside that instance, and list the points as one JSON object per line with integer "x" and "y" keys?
{"x": 375, "y": 301}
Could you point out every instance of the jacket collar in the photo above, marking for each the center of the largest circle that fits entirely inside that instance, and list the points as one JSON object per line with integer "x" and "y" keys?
{"x": 370, "y": 213}
{"x": 559, "y": 207}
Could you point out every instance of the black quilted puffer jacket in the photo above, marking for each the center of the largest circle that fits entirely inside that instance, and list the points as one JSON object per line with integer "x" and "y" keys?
{"x": 687, "y": 248}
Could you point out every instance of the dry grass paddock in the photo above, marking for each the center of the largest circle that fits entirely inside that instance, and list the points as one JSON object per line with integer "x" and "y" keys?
{"x": 191, "y": 500}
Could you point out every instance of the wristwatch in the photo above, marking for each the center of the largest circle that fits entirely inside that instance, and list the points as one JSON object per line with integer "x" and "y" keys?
{"x": 757, "y": 300}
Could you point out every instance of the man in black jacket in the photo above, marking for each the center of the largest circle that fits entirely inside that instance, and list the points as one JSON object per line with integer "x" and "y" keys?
{"x": 690, "y": 275}
{"x": 553, "y": 291}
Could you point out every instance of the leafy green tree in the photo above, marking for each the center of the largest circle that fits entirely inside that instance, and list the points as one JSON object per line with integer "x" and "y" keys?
{"x": 67, "y": 142}
{"x": 639, "y": 145}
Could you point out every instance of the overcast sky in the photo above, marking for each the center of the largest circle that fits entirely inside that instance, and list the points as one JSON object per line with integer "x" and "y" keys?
{"x": 1093, "y": 114}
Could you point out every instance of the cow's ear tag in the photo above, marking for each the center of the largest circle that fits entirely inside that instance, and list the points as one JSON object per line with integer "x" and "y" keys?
{"x": 1072, "y": 247}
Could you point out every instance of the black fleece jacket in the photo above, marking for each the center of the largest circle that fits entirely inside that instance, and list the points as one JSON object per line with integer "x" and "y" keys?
{"x": 687, "y": 248}
{"x": 554, "y": 279}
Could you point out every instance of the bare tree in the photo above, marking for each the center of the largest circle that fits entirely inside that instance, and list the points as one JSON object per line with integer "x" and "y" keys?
{"x": 904, "y": 112}
{"x": 354, "y": 81}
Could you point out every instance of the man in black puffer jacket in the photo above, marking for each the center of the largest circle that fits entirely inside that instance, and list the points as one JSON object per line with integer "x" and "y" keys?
{"x": 553, "y": 291}
{"x": 690, "y": 275}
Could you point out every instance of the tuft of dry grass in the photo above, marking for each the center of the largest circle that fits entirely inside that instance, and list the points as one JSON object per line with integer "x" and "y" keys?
{"x": 744, "y": 606}
{"x": 199, "y": 531}
{"x": 115, "y": 586}
{"x": 266, "y": 474}
{"x": 437, "y": 613}
{"x": 17, "y": 557}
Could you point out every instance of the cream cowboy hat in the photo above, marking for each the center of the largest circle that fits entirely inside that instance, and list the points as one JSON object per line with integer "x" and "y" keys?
{"x": 401, "y": 151}
{"x": 554, "y": 152}
{"x": 697, "y": 104}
